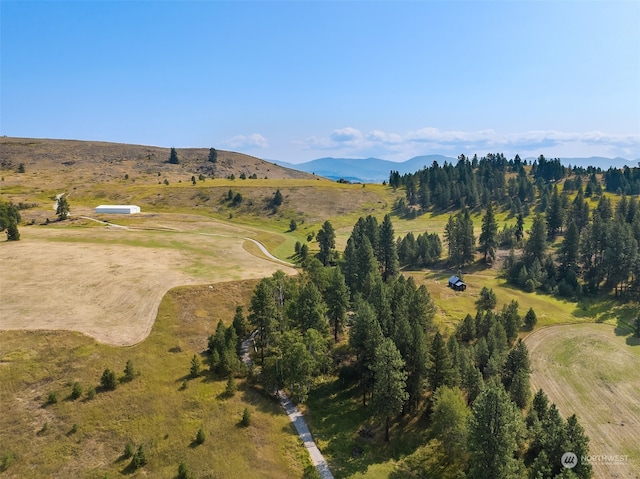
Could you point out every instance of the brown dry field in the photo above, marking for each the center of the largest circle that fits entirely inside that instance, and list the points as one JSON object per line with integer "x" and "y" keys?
{"x": 107, "y": 282}
{"x": 587, "y": 370}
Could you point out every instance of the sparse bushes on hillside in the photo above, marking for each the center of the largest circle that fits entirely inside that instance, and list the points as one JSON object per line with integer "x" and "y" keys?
{"x": 52, "y": 398}
{"x": 246, "y": 418}
{"x": 91, "y": 393}
{"x": 129, "y": 372}
{"x": 76, "y": 390}
{"x": 183, "y": 471}
{"x": 200, "y": 436}
{"x": 139, "y": 458}
{"x": 194, "y": 371}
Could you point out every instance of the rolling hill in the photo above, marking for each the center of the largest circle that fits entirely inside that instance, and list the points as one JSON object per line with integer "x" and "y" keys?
{"x": 116, "y": 160}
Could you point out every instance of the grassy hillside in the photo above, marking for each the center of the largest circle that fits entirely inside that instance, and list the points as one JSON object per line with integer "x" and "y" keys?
{"x": 189, "y": 234}
{"x": 160, "y": 408}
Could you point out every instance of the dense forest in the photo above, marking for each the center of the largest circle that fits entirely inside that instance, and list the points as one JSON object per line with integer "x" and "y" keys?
{"x": 599, "y": 247}
{"x": 474, "y": 383}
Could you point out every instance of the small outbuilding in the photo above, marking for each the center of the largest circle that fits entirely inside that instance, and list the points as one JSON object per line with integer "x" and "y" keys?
{"x": 117, "y": 209}
{"x": 457, "y": 284}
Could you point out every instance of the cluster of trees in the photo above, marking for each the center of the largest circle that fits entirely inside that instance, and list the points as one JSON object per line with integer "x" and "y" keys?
{"x": 476, "y": 380}
{"x": 9, "y": 219}
{"x": 469, "y": 183}
{"x": 420, "y": 252}
{"x": 477, "y": 182}
{"x": 600, "y": 248}
{"x": 624, "y": 181}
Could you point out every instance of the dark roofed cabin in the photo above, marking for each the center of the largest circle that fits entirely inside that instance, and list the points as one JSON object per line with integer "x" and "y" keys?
{"x": 457, "y": 284}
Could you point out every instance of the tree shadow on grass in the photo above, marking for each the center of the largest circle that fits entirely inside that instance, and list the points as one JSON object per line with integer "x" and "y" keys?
{"x": 350, "y": 438}
{"x": 259, "y": 398}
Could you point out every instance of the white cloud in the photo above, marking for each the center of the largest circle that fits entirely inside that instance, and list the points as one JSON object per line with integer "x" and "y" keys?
{"x": 253, "y": 141}
{"x": 345, "y": 135}
{"x": 351, "y": 142}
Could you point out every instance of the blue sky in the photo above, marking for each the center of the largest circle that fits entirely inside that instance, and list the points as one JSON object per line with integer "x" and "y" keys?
{"x": 298, "y": 80}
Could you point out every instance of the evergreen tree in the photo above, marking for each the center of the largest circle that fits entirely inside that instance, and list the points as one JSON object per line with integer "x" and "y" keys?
{"x": 578, "y": 443}
{"x": 530, "y": 319}
{"x": 489, "y": 235}
{"x": 327, "y": 240}
{"x": 536, "y": 245}
{"x": 467, "y": 329}
{"x": 263, "y": 314}
{"x": 278, "y": 199}
{"x": 129, "y": 371}
{"x": 240, "y": 323}
{"x": 213, "y": 155}
{"x": 487, "y": 299}
{"x": 194, "y": 371}
{"x": 449, "y": 418}
{"x": 519, "y": 233}
{"x": 441, "y": 369}
{"x": 296, "y": 365}
{"x": 62, "y": 208}
{"x": 365, "y": 336}
{"x": 12, "y": 231}
{"x": 173, "y": 157}
{"x": 311, "y": 309}
{"x": 108, "y": 380}
{"x": 389, "y": 394}
{"x": 388, "y": 252}
{"x": 337, "y": 300}
{"x": 494, "y": 426}
{"x": 568, "y": 253}
{"x": 554, "y": 214}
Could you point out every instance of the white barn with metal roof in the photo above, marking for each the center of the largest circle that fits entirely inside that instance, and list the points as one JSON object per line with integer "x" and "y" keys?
{"x": 117, "y": 209}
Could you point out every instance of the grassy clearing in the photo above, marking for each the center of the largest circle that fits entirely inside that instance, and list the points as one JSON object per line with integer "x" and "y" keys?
{"x": 152, "y": 410}
{"x": 354, "y": 444}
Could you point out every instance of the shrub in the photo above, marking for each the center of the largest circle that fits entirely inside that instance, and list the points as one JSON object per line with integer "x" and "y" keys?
{"x": 183, "y": 471}
{"x": 246, "y": 418}
{"x": 76, "y": 390}
{"x": 139, "y": 458}
{"x": 231, "y": 386}
{"x": 73, "y": 429}
{"x": 194, "y": 372}
{"x": 128, "y": 450}
{"x": 200, "y": 436}
{"x": 52, "y": 398}
{"x": 91, "y": 392}
{"x": 129, "y": 372}
{"x": 6, "y": 460}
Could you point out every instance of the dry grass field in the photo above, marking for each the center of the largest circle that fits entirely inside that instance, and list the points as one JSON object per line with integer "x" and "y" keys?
{"x": 107, "y": 282}
{"x": 588, "y": 370}
{"x": 161, "y": 408}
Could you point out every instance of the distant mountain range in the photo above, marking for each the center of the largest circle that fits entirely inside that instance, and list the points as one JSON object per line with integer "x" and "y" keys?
{"x": 375, "y": 170}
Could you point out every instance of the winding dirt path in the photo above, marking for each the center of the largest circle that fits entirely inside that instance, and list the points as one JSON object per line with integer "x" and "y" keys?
{"x": 295, "y": 416}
